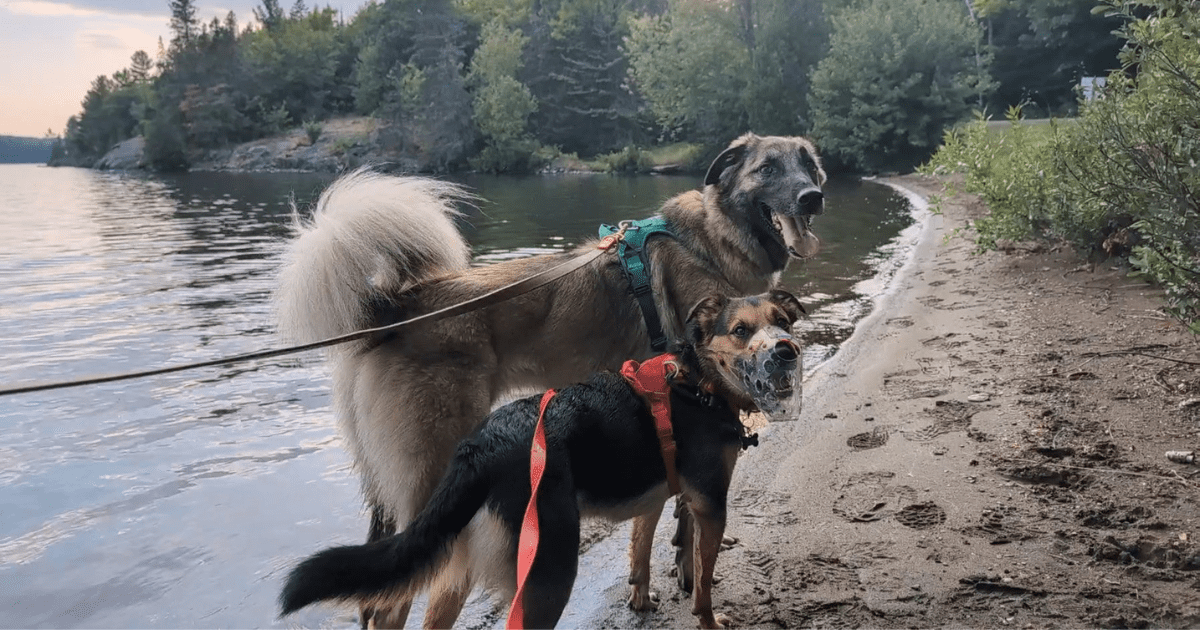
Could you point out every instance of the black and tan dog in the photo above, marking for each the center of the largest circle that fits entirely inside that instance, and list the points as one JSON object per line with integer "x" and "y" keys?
{"x": 379, "y": 249}
{"x": 603, "y": 459}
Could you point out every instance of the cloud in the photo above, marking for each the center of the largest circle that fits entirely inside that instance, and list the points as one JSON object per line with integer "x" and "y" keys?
{"x": 154, "y": 9}
{"x": 118, "y": 39}
{"x": 94, "y": 39}
{"x": 148, "y": 9}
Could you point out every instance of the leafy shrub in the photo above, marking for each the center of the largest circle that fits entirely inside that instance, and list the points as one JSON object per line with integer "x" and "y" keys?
{"x": 1125, "y": 176}
{"x": 166, "y": 149}
{"x": 273, "y": 120}
{"x": 628, "y": 160}
{"x": 313, "y": 130}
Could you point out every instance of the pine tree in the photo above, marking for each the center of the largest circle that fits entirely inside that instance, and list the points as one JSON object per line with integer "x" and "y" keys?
{"x": 270, "y": 14}
{"x": 183, "y": 22}
{"x": 299, "y": 10}
{"x": 140, "y": 66}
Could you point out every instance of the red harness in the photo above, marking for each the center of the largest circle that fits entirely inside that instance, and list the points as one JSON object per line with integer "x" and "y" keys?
{"x": 650, "y": 380}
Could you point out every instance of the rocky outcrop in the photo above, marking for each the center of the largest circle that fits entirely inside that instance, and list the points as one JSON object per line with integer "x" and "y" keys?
{"x": 124, "y": 156}
{"x": 337, "y": 145}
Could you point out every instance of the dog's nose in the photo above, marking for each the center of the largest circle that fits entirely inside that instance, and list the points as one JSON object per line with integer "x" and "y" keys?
{"x": 785, "y": 351}
{"x": 811, "y": 201}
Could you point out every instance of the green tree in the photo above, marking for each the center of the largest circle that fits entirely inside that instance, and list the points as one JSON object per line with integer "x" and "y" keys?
{"x": 270, "y": 14}
{"x": 692, "y": 69}
{"x": 302, "y": 65}
{"x": 183, "y": 22}
{"x": 1042, "y": 48}
{"x": 710, "y": 71}
{"x": 502, "y": 104}
{"x": 898, "y": 73}
{"x": 577, "y": 70}
{"x": 298, "y": 10}
{"x": 409, "y": 72}
{"x": 141, "y": 67}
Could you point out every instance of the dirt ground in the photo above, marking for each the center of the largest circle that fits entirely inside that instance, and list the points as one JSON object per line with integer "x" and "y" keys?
{"x": 987, "y": 451}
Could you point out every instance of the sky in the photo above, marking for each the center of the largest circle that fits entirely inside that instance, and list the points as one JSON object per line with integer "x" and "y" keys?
{"x": 51, "y": 50}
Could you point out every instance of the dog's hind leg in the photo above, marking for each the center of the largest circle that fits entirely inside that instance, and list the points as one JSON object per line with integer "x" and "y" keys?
{"x": 445, "y": 605}
{"x": 382, "y": 526}
{"x": 640, "y": 543}
{"x": 394, "y": 616}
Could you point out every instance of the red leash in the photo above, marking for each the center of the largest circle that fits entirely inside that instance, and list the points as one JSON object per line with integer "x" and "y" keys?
{"x": 650, "y": 380}
{"x": 528, "y": 543}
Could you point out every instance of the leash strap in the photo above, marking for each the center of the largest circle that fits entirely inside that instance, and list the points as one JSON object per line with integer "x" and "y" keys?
{"x": 636, "y": 264}
{"x": 650, "y": 380}
{"x": 519, "y": 287}
{"x": 527, "y": 544}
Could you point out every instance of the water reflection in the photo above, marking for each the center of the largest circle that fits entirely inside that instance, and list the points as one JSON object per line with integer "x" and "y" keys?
{"x": 177, "y": 501}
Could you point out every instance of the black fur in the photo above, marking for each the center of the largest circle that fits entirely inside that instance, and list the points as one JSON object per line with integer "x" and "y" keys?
{"x": 601, "y": 444}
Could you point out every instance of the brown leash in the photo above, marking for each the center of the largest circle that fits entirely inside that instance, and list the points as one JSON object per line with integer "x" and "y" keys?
{"x": 507, "y": 292}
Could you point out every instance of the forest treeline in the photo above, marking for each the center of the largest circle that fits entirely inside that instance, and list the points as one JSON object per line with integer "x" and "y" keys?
{"x": 504, "y": 85}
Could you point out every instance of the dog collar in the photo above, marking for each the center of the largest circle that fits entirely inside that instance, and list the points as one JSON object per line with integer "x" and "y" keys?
{"x": 651, "y": 380}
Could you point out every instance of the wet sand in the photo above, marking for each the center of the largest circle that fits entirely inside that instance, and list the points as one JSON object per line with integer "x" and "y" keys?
{"x": 986, "y": 451}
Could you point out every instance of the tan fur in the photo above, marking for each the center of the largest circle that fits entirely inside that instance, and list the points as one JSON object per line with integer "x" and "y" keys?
{"x": 403, "y": 403}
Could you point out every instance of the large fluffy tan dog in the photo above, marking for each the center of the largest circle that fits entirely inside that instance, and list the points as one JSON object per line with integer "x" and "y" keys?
{"x": 380, "y": 249}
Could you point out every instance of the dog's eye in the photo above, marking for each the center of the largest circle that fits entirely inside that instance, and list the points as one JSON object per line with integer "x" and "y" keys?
{"x": 766, "y": 169}
{"x": 741, "y": 331}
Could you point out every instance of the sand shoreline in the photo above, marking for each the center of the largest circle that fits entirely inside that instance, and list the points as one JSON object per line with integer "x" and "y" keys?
{"x": 965, "y": 458}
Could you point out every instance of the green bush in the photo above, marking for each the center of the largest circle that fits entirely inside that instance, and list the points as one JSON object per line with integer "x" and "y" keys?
{"x": 1014, "y": 172}
{"x": 1125, "y": 178}
{"x": 166, "y": 149}
{"x": 628, "y": 160}
{"x": 313, "y": 130}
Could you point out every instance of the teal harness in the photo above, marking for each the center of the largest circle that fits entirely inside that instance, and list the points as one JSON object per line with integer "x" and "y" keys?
{"x": 636, "y": 264}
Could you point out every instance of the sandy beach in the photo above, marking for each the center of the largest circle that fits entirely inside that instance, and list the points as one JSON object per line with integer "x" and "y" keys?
{"x": 988, "y": 450}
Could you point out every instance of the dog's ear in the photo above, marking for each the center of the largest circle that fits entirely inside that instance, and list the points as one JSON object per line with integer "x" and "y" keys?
{"x": 788, "y": 303}
{"x": 729, "y": 158}
{"x": 703, "y": 317}
{"x": 807, "y": 149}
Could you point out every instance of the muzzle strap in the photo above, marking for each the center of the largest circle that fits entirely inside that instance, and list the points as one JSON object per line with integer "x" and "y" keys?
{"x": 650, "y": 379}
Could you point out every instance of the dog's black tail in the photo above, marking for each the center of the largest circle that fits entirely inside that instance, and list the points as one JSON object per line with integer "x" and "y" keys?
{"x": 402, "y": 563}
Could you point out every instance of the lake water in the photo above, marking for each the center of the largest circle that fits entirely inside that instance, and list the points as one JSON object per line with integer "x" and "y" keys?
{"x": 181, "y": 500}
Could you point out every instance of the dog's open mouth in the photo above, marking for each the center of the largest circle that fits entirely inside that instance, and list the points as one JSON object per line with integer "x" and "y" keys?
{"x": 796, "y": 232}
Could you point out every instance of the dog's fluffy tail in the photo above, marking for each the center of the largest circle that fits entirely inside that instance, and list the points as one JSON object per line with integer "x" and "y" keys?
{"x": 370, "y": 234}
{"x": 401, "y": 564}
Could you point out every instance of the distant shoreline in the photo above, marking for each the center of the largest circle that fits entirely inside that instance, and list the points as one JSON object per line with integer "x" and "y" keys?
{"x": 25, "y": 149}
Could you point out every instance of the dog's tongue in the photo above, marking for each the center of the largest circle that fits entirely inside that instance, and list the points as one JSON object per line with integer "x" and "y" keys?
{"x": 801, "y": 242}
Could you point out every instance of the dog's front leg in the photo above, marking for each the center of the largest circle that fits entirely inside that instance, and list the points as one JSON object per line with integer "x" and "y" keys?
{"x": 640, "y": 597}
{"x": 709, "y": 522}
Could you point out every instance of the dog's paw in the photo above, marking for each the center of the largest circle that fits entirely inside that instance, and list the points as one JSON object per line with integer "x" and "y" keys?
{"x": 642, "y": 598}
{"x": 711, "y": 622}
